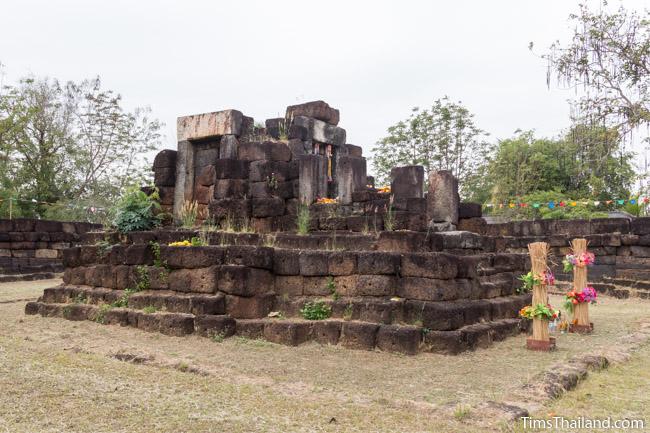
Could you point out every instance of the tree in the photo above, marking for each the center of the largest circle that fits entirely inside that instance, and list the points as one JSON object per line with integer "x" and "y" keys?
{"x": 608, "y": 56}
{"x": 71, "y": 145}
{"x": 443, "y": 137}
{"x": 587, "y": 163}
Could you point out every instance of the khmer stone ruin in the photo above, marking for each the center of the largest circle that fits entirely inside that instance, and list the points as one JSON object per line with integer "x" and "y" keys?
{"x": 402, "y": 270}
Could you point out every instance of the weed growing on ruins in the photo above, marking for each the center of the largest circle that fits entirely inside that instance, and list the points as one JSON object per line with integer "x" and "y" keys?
{"x": 229, "y": 225}
{"x": 103, "y": 248}
{"x": 317, "y": 310}
{"x": 188, "y": 214}
{"x": 80, "y": 298}
{"x": 66, "y": 311}
{"x": 196, "y": 241}
{"x": 100, "y": 317}
{"x": 142, "y": 282}
{"x": 218, "y": 337}
{"x": 425, "y": 331}
{"x": 461, "y": 412}
{"x": 347, "y": 312}
{"x": 138, "y": 211}
{"x": 303, "y": 218}
{"x": 272, "y": 182}
{"x": 389, "y": 217}
{"x": 157, "y": 257}
{"x": 269, "y": 241}
{"x": 331, "y": 287}
{"x": 123, "y": 301}
{"x": 158, "y": 262}
{"x": 149, "y": 309}
{"x": 366, "y": 229}
{"x": 209, "y": 225}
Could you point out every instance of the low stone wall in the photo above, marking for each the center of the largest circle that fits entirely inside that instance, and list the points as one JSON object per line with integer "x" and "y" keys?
{"x": 621, "y": 246}
{"x": 31, "y": 249}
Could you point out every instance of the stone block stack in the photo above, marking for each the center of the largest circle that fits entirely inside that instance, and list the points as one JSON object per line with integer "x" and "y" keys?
{"x": 31, "y": 249}
{"x": 451, "y": 296}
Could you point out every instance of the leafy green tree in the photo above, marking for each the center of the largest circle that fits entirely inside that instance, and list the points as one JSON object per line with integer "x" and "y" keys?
{"x": 71, "y": 145}
{"x": 587, "y": 164}
{"x": 443, "y": 137}
{"x": 608, "y": 57}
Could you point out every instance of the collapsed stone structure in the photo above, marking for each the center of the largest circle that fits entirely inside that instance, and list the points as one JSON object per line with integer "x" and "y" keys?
{"x": 258, "y": 176}
{"x": 30, "y": 249}
{"x": 390, "y": 266}
{"x": 397, "y": 291}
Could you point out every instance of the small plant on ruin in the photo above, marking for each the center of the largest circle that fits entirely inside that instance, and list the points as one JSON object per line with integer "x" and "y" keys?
{"x": 303, "y": 218}
{"x": 272, "y": 182}
{"x": 137, "y": 211}
{"x": 461, "y": 412}
{"x": 331, "y": 287}
{"x": 366, "y": 229}
{"x": 218, "y": 337}
{"x": 196, "y": 241}
{"x": 143, "y": 282}
{"x": 157, "y": 258}
{"x": 80, "y": 298}
{"x": 103, "y": 248}
{"x": 100, "y": 317}
{"x": 269, "y": 241}
{"x": 188, "y": 213}
{"x": 347, "y": 312}
{"x": 123, "y": 301}
{"x": 389, "y": 217}
{"x": 425, "y": 331}
{"x": 149, "y": 309}
{"x": 317, "y": 310}
{"x": 67, "y": 310}
{"x": 209, "y": 225}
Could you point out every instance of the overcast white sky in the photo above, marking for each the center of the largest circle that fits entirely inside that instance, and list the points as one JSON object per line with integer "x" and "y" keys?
{"x": 373, "y": 60}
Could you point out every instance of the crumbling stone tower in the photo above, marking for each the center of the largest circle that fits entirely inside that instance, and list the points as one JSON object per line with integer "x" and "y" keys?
{"x": 235, "y": 170}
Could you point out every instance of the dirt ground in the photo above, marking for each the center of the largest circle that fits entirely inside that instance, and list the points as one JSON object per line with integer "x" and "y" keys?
{"x": 57, "y": 375}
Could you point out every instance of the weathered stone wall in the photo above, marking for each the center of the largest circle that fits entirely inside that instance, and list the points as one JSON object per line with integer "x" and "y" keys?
{"x": 621, "y": 246}
{"x": 32, "y": 248}
{"x": 381, "y": 293}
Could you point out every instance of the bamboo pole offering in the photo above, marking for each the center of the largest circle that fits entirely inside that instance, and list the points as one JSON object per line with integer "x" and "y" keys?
{"x": 580, "y": 322}
{"x": 540, "y": 340}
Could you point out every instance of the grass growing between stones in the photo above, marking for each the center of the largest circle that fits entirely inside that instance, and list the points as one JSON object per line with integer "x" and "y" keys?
{"x": 59, "y": 375}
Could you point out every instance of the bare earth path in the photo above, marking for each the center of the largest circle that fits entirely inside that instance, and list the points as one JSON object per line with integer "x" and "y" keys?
{"x": 57, "y": 375}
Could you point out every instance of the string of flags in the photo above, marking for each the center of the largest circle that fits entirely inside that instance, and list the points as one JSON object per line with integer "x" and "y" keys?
{"x": 569, "y": 203}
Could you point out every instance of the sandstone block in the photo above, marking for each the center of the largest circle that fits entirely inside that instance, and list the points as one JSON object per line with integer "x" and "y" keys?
{"x": 202, "y": 280}
{"x": 443, "y": 199}
{"x": 401, "y": 339}
{"x": 199, "y": 126}
{"x": 316, "y": 109}
{"x": 359, "y": 335}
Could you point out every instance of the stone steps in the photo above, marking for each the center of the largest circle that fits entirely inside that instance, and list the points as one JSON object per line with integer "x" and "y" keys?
{"x": 29, "y": 277}
{"x": 436, "y": 316}
{"x": 615, "y": 287}
{"x": 350, "y": 334}
{"x": 161, "y": 300}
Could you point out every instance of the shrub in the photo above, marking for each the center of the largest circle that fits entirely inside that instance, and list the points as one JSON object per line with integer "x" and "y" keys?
{"x": 137, "y": 211}
{"x": 316, "y": 311}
